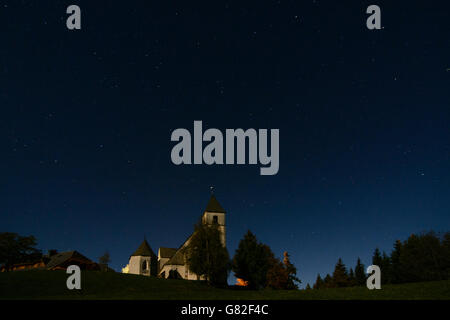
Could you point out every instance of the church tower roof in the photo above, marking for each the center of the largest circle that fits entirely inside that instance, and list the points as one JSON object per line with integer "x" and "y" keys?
{"x": 144, "y": 250}
{"x": 214, "y": 205}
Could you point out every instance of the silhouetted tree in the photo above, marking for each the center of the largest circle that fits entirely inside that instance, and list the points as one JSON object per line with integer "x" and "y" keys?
{"x": 319, "y": 284}
{"x": 351, "y": 278}
{"x": 376, "y": 258}
{"x": 308, "y": 287}
{"x": 104, "y": 260}
{"x": 252, "y": 261}
{"x": 206, "y": 256}
{"x": 386, "y": 269}
{"x": 277, "y": 275}
{"x": 328, "y": 282}
{"x": 360, "y": 274}
{"x": 282, "y": 275}
{"x": 422, "y": 258}
{"x": 292, "y": 273}
{"x": 17, "y": 249}
{"x": 396, "y": 272}
{"x": 340, "y": 276}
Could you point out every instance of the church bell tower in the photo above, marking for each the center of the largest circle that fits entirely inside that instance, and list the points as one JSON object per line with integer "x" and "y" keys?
{"x": 215, "y": 215}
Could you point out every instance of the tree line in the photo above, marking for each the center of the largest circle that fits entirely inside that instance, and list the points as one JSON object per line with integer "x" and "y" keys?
{"x": 421, "y": 257}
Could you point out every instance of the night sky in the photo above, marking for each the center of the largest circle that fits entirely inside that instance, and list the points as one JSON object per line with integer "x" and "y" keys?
{"x": 86, "y": 119}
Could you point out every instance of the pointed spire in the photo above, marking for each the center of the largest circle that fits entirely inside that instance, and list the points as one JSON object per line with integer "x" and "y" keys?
{"x": 144, "y": 250}
{"x": 214, "y": 205}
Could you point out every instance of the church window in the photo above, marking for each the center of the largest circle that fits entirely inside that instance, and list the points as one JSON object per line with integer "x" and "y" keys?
{"x": 215, "y": 219}
{"x": 144, "y": 265}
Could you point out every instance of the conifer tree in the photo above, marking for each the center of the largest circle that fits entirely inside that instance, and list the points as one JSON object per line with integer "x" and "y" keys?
{"x": 328, "y": 282}
{"x": 376, "y": 258}
{"x": 308, "y": 287}
{"x": 277, "y": 275}
{"x": 351, "y": 278}
{"x": 340, "y": 275}
{"x": 252, "y": 261}
{"x": 396, "y": 276}
{"x": 360, "y": 274}
{"x": 291, "y": 271}
{"x": 386, "y": 267}
{"x": 319, "y": 284}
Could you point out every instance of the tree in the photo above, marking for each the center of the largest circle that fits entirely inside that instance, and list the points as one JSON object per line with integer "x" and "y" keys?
{"x": 328, "y": 282}
{"x": 376, "y": 258}
{"x": 422, "y": 258}
{"x": 17, "y": 249}
{"x": 252, "y": 261}
{"x": 291, "y": 271}
{"x": 446, "y": 255}
{"x": 206, "y": 256}
{"x": 351, "y": 278}
{"x": 360, "y": 274}
{"x": 282, "y": 275}
{"x": 104, "y": 260}
{"x": 340, "y": 276}
{"x": 277, "y": 275}
{"x": 319, "y": 284}
{"x": 396, "y": 272}
{"x": 386, "y": 267}
{"x": 308, "y": 287}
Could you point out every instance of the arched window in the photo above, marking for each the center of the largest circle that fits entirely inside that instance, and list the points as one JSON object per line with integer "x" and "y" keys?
{"x": 144, "y": 265}
{"x": 215, "y": 219}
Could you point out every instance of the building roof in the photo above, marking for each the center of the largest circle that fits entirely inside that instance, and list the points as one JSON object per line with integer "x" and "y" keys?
{"x": 144, "y": 250}
{"x": 167, "y": 252}
{"x": 61, "y": 258}
{"x": 214, "y": 205}
{"x": 177, "y": 259}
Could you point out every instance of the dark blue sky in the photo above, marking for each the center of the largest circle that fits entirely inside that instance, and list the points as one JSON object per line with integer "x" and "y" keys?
{"x": 86, "y": 119}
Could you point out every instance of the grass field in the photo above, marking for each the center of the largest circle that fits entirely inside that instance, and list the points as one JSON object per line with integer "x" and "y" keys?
{"x": 110, "y": 285}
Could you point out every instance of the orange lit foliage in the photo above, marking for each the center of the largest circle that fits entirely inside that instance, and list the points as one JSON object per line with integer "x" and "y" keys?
{"x": 241, "y": 282}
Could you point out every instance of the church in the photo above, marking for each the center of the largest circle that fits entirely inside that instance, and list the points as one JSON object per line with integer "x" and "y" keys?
{"x": 171, "y": 262}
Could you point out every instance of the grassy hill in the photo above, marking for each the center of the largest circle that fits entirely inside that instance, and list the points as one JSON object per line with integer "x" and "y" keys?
{"x": 110, "y": 285}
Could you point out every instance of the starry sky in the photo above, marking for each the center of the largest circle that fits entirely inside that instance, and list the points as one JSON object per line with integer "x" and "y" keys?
{"x": 86, "y": 119}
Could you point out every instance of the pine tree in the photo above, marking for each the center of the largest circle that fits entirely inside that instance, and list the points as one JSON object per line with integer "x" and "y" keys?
{"x": 328, "y": 282}
{"x": 291, "y": 272}
{"x": 386, "y": 267}
{"x": 377, "y": 259}
{"x": 308, "y": 287}
{"x": 252, "y": 261}
{"x": 340, "y": 276}
{"x": 319, "y": 283}
{"x": 360, "y": 275}
{"x": 277, "y": 275}
{"x": 396, "y": 276}
{"x": 351, "y": 278}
